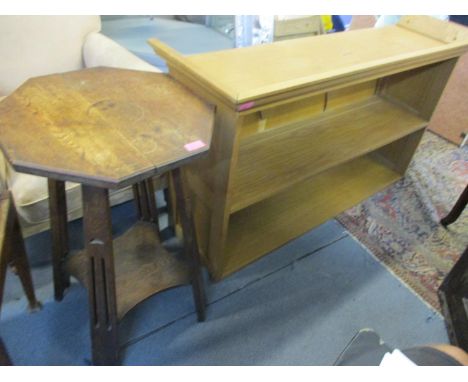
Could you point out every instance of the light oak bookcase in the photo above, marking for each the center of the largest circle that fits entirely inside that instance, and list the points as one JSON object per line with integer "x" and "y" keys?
{"x": 307, "y": 128}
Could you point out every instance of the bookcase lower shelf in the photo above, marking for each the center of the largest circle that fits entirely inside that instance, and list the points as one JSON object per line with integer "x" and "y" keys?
{"x": 269, "y": 224}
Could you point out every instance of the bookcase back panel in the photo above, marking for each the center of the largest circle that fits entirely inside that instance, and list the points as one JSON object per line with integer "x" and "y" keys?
{"x": 349, "y": 94}
{"x": 398, "y": 154}
{"x": 282, "y": 115}
{"x": 306, "y": 108}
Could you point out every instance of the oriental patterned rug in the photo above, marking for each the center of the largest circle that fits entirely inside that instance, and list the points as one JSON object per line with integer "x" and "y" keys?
{"x": 400, "y": 225}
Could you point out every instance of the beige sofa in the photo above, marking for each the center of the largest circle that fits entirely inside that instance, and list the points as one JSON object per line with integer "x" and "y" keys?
{"x": 38, "y": 45}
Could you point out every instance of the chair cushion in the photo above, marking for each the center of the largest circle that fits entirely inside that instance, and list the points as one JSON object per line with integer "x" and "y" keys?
{"x": 30, "y": 194}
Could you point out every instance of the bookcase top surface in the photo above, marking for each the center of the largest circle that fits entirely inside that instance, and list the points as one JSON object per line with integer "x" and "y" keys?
{"x": 246, "y": 74}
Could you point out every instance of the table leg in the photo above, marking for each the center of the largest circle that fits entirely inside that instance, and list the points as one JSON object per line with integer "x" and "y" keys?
{"x": 170, "y": 208}
{"x": 190, "y": 242}
{"x": 102, "y": 293}
{"x": 140, "y": 192}
{"x": 151, "y": 195}
{"x": 59, "y": 232}
{"x": 145, "y": 199}
{"x": 136, "y": 198}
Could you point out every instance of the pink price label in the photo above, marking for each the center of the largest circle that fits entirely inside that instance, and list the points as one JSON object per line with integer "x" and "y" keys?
{"x": 195, "y": 145}
{"x": 246, "y": 106}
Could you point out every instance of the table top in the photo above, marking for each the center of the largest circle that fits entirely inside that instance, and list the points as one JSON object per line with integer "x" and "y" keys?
{"x": 250, "y": 73}
{"x": 103, "y": 127}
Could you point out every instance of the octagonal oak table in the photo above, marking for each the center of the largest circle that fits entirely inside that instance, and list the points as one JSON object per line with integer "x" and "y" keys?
{"x": 106, "y": 129}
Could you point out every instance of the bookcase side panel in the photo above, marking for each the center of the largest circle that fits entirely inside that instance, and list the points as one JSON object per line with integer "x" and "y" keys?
{"x": 224, "y": 151}
{"x": 209, "y": 178}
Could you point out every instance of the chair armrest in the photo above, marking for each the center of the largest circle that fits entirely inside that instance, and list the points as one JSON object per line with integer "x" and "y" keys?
{"x": 99, "y": 50}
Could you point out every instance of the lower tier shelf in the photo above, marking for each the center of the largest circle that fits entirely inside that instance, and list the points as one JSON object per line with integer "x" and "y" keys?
{"x": 271, "y": 223}
{"x": 142, "y": 266}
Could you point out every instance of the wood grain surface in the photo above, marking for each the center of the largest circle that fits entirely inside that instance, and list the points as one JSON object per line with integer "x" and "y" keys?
{"x": 142, "y": 267}
{"x": 251, "y": 73}
{"x": 104, "y": 127}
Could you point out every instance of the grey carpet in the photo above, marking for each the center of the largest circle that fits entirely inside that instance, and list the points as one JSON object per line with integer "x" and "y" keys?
{"x": 299, "y": 305}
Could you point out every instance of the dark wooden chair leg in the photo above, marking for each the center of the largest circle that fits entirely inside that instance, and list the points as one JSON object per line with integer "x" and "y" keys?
{"x": 59, "y": 232}
{"x": 102, "y": 293}
{"x": 18, "y": 259}
{"x": 453, "y": 297}
{"x": 457, "y": 209}
{"x": 190, "y": 243}
{"x": 4, "y": 358}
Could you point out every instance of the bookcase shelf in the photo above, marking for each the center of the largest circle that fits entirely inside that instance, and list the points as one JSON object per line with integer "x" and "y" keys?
{"x": 254, "y": 231}
{"x": 333, "y": 137}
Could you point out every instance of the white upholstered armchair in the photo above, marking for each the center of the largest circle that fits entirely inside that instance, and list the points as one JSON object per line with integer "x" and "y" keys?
{"x": 38, "y": 45}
